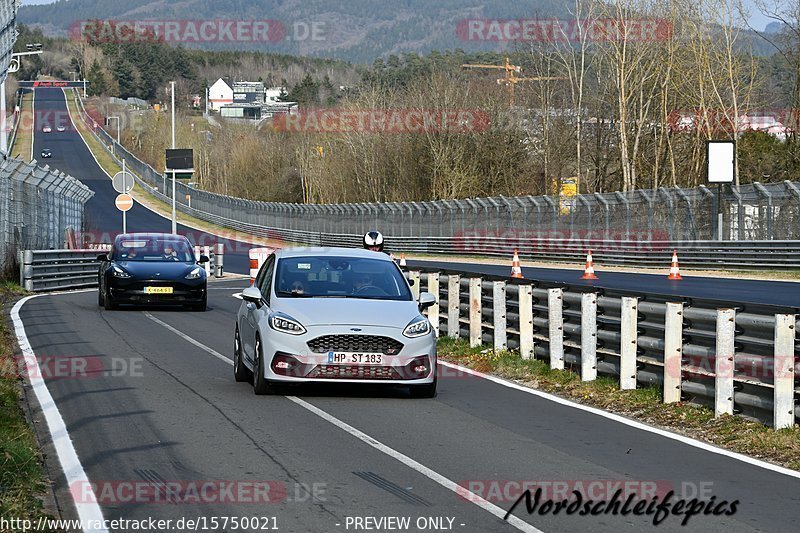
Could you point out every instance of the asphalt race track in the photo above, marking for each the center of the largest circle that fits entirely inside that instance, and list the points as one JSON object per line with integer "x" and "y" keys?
{"x": 70, "y": 155}
{"x": 171, "y": 412}
{"x": 150, "y": 404}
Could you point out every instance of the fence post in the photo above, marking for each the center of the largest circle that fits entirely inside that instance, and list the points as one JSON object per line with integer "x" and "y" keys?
{"x": 414, "y": 275}
{"x": 526, "y": 321}
{"x": 588, "y": 336}
{"x": 433, "y": 311}
{"x": 673, "y": 352}
{"x": 499, "y": 312}
{"x": 783, "y": 366}
{"x": 627, "y": 357}
{"x": 453, "y": 300}
{"x": 724, "y": 362}
{"x": 475, "y": 320}
{"x": 555, "y": 321}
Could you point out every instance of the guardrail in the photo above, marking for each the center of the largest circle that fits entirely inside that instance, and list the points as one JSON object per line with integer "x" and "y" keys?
{"x": 47, "y": 270}
{"x": 535, "y": 238}
{"x": 735, "y": 358}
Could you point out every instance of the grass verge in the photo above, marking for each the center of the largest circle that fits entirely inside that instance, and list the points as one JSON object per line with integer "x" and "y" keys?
{"x": 730, "y": 432}
{"x": 109, "y": 164}
{"x": 22, "y": 476}
{"x": 22, "y": 143}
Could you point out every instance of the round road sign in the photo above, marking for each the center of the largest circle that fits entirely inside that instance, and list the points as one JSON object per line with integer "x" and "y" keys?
{"x": 123, "y": 182}
{"x": 124, "y": 202}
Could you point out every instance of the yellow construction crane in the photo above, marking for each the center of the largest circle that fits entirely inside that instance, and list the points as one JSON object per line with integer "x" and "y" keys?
{"x": 511, "y": 79}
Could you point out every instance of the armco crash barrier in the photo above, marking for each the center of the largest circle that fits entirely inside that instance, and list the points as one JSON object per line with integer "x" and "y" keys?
{"x": 440, "y": 228}
{"x": 50, "y": 270}
{"x": 737, "y": 361}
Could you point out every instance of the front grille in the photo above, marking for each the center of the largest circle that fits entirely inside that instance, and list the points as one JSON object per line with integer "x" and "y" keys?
{"x": 355, "y": 343}
{"x": 354, "y": 372}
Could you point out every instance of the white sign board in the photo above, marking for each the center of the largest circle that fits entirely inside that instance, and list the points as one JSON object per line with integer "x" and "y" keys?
{"x": 721, "y": 161}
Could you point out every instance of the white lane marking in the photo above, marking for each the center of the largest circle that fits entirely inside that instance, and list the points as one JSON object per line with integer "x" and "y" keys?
{"x": 88, "y": 511}
{"x": 628, "y": 422}
{"x": 418, "y": 467}
{"x": 187, "y": 338}
{"x": 237, "y": 295}
{"x": 414, "y": 465}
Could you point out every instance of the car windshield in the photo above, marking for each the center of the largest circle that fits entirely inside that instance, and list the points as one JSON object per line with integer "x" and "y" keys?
{"x": 153, "y": 249}
{"x": 340, "y": 277}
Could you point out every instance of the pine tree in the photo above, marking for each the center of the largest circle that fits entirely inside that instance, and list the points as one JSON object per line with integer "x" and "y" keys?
{"x": 97, "y": 80}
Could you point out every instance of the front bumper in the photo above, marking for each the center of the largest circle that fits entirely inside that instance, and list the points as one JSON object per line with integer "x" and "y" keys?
{"x": 289, "y": 359}
{"x": 126, "y": 291}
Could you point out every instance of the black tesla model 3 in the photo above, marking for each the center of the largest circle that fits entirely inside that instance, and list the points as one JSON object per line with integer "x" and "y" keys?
{"x": 152, "y": 269}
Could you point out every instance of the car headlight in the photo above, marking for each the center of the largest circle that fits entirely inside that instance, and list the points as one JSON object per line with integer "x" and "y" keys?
{"x": 197, "y": 272}
{"x": 417, "y": 327}
{"x": 286, "y": 324}
{"x": 119, "y": 273}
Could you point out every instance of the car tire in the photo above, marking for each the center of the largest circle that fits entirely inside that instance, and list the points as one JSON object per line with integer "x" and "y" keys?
{"x": 423, "y": 391}
{"x": 240, "y": 372}
{"x": 261, "y": 385}
{"x": 109, "y": 304}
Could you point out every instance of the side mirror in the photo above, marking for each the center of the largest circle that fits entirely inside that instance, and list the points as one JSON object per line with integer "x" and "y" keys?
{"x": 252, "y": 295}
{"x": 426, "y": 300}
{"x": 102, "y": 257}
{"x": 203, "y": 259}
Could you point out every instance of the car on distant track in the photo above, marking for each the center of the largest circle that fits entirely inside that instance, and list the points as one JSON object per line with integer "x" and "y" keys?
{"x": 61, "y": 128}
{"x": 336, "y": 315}
{"x": 47, "y": 129}
{"x": 46, "y": 153}
{"x": 152, "y": 269}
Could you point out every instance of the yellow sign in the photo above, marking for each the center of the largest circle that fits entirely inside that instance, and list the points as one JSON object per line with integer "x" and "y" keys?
{"x": 567, "y": 194}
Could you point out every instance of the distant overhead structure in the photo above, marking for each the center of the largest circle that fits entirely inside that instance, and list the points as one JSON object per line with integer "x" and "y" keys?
{"x": 511, "y": 79}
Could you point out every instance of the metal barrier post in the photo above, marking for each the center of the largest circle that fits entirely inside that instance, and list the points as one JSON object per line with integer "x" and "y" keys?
{"x": 219, "y": 259}
{"x": 475, "y": 320}
{"x": 207, "y": 265}
{"x": 724, "y": 362}
{"x": 673, "y": 352}
{"x": 526, "y": 321}
{"x": 627, "y": 357}
{"x": 433, "y": 311}
{"x": 555, "y": 321}
{"x": 783, "y": 368}
{"x": 27, "y": 272}
{"x": 414, "y": 277}
{"x": 453, "y": 297}
{"x": 499, "y": 312}
{"x": 588, "y": 336}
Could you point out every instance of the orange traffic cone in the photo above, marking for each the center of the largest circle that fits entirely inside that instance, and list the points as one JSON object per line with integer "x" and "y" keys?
{"x": 674, "y": 271}
{"x": 516, "y": 269}
{"x": 402, "y": 260}
{"x": 588, "y": 272}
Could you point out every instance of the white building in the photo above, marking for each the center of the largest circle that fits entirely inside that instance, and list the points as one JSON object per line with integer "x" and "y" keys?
{"x": 220, "y": 94}
{"x": 272, "y": 94}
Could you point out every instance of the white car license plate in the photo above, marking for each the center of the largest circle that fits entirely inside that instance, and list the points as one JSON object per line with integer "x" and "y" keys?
{"x": 158, "y": 290}
{"x": 350, "y": 358}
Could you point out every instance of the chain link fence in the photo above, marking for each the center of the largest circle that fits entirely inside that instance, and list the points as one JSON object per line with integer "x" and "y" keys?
{"x": 37, "y": 205}
{"x": 750, "y": 212}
